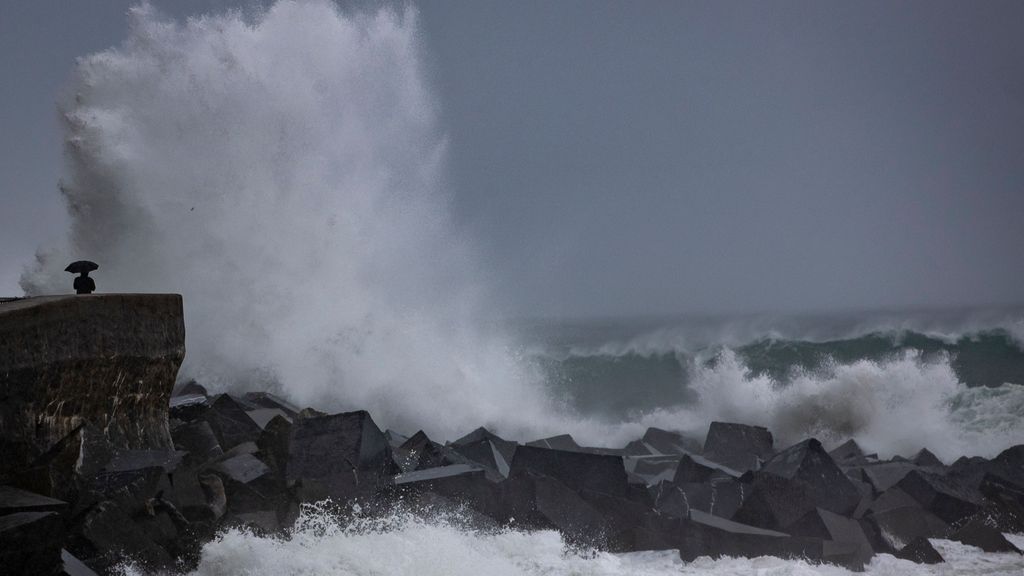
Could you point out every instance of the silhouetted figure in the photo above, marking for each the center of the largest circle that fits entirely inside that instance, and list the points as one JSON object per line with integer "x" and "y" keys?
{"x": 83, "y": 284}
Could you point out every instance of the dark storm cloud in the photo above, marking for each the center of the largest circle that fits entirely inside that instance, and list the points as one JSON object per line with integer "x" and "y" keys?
{"x": 618, "y": 158}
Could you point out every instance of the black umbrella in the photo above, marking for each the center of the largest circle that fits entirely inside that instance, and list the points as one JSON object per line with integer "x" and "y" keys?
{"x": 81, "y": 267}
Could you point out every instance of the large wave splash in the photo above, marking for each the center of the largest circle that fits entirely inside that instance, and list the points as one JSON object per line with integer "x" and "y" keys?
{"x": 284, "y": 173}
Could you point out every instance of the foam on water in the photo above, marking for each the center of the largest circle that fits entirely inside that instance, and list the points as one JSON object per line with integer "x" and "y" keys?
{"x": 890, "y": 407}
{"x": 409, "y": 545}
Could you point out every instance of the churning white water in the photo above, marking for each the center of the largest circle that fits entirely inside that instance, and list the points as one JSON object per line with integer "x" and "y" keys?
{"x": 890, "y": 407}
{"x": 406, "y": 545}
{"x": 283, "y": 173}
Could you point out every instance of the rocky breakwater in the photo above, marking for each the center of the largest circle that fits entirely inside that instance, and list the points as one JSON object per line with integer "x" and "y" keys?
{"x": 254, "y": 461}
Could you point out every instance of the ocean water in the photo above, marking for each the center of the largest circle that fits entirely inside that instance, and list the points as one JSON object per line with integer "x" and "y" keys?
{"x": 896, "y": 382}
{"x": 283, "y": 170}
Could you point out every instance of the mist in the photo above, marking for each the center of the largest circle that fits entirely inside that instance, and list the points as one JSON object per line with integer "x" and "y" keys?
{"x": 688, "y": 157}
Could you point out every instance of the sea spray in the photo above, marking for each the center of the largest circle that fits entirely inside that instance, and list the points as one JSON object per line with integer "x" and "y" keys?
{"x": 892, "y": 407}
{"x": 283, "y": 173}
{"x": 407, "y": 544}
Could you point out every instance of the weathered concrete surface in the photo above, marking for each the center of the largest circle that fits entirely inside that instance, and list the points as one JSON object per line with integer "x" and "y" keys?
{"x": 106, "y": 359}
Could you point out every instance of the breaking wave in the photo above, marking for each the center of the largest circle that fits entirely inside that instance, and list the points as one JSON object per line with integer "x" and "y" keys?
{"x": 893, "y": 407}
{"x": 283, "y": 173}
{"x": 407, "y": 545}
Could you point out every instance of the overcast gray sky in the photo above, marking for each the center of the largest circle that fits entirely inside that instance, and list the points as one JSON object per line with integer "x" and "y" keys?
{"x": 650, "y": 157}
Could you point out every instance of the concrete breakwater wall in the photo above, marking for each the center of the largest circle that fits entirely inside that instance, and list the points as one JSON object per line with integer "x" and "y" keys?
{"x": 109, "y": 360}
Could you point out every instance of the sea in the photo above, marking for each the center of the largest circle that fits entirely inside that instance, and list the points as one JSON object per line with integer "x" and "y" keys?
{"x": 284, "y": 170}
{"x": 948, "y": 380}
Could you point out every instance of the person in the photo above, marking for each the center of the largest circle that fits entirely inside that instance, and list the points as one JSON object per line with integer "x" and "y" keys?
{"x": 84, "y": 284}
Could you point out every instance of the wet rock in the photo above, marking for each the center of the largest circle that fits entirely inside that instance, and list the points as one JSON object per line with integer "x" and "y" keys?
{"x": 738, "y": 446}
{"x": 580, "y": 472}
{"x": 395, "y": 439}
{"x": 660, "y": 441}
{"x": 884, "y": 475}
{"x": 59, "y": 471}
{"x": 440, "y": 472}
{"x": 920, "y": 551}
{"x": 563, "y": 509}
{"x": 243, "y": 468}
{"x": 1008, "y": 465}
{"x": 262, "y": 522}
{"x": 707, "y": 535}
{"x": 652, "y": 469}
{"x": 14, "y": 500}
{"x": 268, "y": 401}
{"x": 945, "y": 497}
{"x": 507, "y": 448}
{"x": 637, "y": 448}
{"x": 898, "y": 526}
{"x": 72, "y": 566}
{"x": 485, "y": 452}
{"x": 188, "y": 407}
{"x": 418, "y": 453}
{"x": 969, "y": 470}
{"x": 977, "y": 533}
{"x": 214, "y": 493}
{"x": 849, "y": 453}
{"x": 891, "y": 498}
{"x": 273, "y": 445}
{"x": 338, "y": 456}
{"x": 243, "y": 448}
{"x": 30, "y": 542}
{"x": 467, "y": 486}
{"x": 672, "y": 500}
{"x": 190, "y": 388}
{"x": 263, "y": 416}
{"x": 230, "y": 422}
{"x": 200, "y": 497}
{"x": 867, "y": 496}
{"x": 560, "y": 442}
{"x": 130, "y": 489}
{"x": 197, "y": 438}
{"x": 925, "y": 458}
{"x": 824, "y": 484}
{"x": 431, "y": 504}
{"x": 309, "y": 413}
{"x": 719, "y": 497}
{"x": 849, "y": 546}
{"x": 128, "y": 460}
{"x": 772, "y": 502}
{"x": 107, "y": 534}
{"x": 695, "y": 469}
{"x": 1004, "y": 509}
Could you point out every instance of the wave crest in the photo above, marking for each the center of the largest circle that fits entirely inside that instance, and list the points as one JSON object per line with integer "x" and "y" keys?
{"x": 890, "y": 407}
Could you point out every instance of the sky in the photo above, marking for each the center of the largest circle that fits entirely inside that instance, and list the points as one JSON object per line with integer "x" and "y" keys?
{"x": 616, "y": 158}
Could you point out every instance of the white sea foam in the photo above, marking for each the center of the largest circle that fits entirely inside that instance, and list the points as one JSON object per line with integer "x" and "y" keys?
{"x": 406, "y": 545}
{"x": 892, "y": 407}
{"x": 283, "y": 173}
